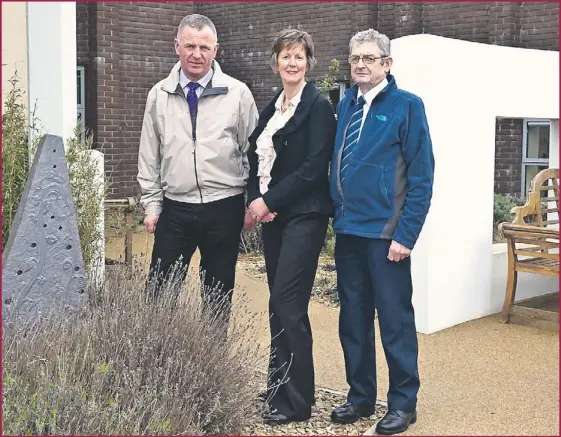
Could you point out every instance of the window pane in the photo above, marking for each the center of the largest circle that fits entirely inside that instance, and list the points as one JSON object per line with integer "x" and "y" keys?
{"x": 530, "y": 171}
{"x": 79, "y": 86}
{"x": 537, "y": 145}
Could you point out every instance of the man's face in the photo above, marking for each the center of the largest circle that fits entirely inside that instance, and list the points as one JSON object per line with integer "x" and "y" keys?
{"x": 196, "y": 50}
{"x": 367, "y": 75}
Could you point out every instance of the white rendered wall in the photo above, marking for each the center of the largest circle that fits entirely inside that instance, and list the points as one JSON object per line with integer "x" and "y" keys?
{"x": 465, "y": 86}
{"x": 14, "y": 46}
{"x": 51, "y": 34}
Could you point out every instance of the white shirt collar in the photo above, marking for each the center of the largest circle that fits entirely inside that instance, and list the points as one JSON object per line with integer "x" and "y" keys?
{"x": 293, "y": 101}
{"x": 369, "y": 96}
{"x": 203, "y": 81}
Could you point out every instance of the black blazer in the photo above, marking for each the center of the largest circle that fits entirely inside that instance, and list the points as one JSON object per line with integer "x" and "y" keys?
{"x": 299, "y": 177}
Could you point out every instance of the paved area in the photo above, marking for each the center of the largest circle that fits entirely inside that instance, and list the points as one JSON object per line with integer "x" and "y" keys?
{"x": 477, "y": 378}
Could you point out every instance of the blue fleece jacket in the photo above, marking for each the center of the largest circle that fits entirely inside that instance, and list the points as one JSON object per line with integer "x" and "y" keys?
{"x": 387, "y": 189}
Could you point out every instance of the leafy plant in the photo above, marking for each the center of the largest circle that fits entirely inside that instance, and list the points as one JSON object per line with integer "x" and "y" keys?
{"x": 87, "y": 191}
{"x": 88, "y": 194}
{"x": 15, "y": 154}
{"x": 502, "y": 205}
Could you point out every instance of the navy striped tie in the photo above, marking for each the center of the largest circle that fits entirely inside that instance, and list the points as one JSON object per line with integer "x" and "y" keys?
{"x": 353, "y": 131}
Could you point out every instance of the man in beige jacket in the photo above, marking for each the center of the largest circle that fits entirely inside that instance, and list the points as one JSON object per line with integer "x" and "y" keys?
{"x": 192, "y": 162}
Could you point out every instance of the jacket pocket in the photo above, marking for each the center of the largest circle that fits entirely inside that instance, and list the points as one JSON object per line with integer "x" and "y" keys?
{"x": 368, "y": 190}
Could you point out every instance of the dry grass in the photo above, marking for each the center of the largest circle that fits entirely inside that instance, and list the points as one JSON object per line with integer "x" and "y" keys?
{"x": 127, "y": 366}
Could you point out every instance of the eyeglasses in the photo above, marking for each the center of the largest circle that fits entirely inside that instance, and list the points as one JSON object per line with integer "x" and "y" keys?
{"x": 367, "y": 59}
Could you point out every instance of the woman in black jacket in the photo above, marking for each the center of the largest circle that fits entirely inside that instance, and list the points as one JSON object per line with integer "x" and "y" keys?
{"x": 288, "y": 190}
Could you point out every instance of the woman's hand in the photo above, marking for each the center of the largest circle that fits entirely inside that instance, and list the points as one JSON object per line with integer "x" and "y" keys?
{"x": 260, "y": 212}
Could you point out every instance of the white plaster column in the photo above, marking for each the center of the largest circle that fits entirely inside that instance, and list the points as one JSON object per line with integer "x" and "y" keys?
{"x": 554, "y": 144}
{"x": 97, "y": 269}
{"x": 51, "y": 35}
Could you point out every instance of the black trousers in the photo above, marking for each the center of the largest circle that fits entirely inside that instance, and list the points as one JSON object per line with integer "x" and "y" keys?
{"x": 214, "y": 228}
{"x": 292, "y": 246}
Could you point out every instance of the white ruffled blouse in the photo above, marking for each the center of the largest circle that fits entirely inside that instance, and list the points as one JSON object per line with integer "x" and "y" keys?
{"x": 265, "y": 148}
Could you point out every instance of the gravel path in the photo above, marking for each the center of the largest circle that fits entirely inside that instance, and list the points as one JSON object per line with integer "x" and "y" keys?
{"x": 320, "y": 423}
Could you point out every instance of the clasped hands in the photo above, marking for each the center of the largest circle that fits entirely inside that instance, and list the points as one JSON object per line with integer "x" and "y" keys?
{"x": 258, "y": 212}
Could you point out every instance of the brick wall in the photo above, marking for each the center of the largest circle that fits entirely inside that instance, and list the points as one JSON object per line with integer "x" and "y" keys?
{"x": 127, "y": 47}
{"x": 246, "y": 32}
{"x": 508, "y": 156}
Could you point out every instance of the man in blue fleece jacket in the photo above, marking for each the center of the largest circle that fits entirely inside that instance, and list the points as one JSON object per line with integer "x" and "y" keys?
{"x": 381, "y": 185}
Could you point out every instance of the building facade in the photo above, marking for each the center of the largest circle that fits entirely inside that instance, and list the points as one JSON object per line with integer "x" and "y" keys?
{"x": 124, "y": 48}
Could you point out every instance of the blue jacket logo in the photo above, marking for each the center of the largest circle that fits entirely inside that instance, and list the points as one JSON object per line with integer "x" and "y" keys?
{"x": 382, "y": 117}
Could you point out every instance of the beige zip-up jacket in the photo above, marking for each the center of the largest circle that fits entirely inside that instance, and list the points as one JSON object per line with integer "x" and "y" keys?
{"x": 205, "y": 167}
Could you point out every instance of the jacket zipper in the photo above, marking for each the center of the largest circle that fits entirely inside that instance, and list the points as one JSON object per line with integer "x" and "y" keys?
{"x": 195, "y": 161}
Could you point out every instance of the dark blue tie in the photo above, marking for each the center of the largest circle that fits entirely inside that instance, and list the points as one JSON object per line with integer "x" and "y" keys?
{"x": 353, "y": 131}
{"x": 192, "y": 98}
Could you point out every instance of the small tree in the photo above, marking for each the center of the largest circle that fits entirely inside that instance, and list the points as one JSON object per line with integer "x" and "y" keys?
{"x": 329, "y": 81}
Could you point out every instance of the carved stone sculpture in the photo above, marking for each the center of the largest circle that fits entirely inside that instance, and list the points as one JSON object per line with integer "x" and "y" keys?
{"x": 42, "y": 264}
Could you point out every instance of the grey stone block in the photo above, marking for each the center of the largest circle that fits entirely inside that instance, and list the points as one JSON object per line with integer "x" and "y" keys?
{"x": 43, "y": 267}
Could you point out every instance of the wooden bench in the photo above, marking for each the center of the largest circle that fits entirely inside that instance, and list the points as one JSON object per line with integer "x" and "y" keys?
{"x": 532, "y": 240}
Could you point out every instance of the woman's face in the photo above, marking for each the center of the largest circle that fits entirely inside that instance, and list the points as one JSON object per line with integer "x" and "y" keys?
{"x": 292, "y": 64}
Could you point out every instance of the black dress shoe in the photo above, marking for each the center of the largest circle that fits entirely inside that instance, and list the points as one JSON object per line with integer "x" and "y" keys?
{"x": 273, "y": 417}
{"x": 350, "y": 413}
{"x": 395, "y": 421}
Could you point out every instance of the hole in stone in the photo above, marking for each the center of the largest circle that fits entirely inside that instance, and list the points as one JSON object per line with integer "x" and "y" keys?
{"x": 52, "y": 217}
{"x": 81, "y": 291}
{"x": 60, "y": 228}
{"x": 54, "y": 150}
{"x": 68, "y": 247}
{"x": 45, "y": 225}
{"x": 33, "y": 244}
{"x": 19, "y": 272}
{"x": 76, "y": 268}
{"x": 8, "y": 301}
{"x": 54, "y": 166}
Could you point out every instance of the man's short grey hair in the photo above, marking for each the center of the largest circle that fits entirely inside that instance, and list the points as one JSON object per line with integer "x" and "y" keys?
{"x": 196, "y": 21}
{"x": 372, "y": 35}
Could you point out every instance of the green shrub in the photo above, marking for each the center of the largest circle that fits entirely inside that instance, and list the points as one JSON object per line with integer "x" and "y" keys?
{"x": 126, "y": 366}
{"x": 329, "y": 243}
{"x": 502, "y": 206}
{"x": 87, "y": 194}
{"x": 16, "y": 152}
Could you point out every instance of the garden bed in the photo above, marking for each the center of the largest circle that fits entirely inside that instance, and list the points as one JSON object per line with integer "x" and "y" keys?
{"x": 320, "y": 423}
{"x": 325, "y": 284}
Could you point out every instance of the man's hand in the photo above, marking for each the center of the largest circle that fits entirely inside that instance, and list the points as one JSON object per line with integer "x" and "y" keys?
{"x": 150, "y": 223}
{"x": 398, "y": 251}
{"x": 248, "y": 221}
{"x": 260, "y": 212}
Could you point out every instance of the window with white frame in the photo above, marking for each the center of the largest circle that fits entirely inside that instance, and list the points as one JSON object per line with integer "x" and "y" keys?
{"x": 81, "y": 99}
{"x": 535, "y": 151}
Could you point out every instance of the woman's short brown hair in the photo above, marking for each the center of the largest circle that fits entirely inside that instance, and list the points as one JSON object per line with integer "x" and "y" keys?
{"x": 289, "y": 38}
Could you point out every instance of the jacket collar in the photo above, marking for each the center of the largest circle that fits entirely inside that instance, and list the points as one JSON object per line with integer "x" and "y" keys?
{"x": 353, "y": 91}
{"x": 217, "y": 84}
{"x": 309, "y": 95}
